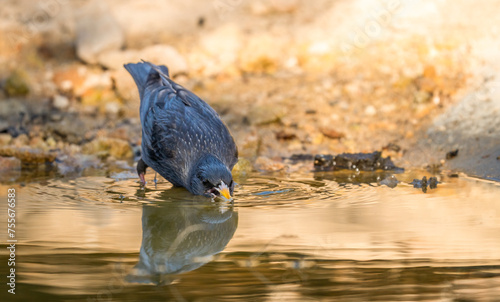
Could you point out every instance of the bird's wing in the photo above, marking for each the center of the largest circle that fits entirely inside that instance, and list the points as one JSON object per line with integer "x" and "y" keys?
{"x": 179, "y": 128}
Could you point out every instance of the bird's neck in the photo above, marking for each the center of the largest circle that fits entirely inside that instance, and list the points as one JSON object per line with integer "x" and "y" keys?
{"x": 205, "y": 161}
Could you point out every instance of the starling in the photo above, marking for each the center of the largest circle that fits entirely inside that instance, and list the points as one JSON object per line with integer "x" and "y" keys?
{"x": 183, "y": 138}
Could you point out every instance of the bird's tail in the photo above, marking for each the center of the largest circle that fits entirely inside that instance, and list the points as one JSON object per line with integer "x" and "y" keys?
{"x": 140, "y": 73}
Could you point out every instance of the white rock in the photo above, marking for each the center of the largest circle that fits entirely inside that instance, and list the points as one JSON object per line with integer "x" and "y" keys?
{"x": 96, "y": 32}
{"x": 320, "y": 48}
{"x": 66, "y": 85}
{"x": 97, "y": 80}
{"x": 370, "y": 110}
{"x": 112, "y": 108}
{"x": 160, "y": 21}
{"x": 157, "y": 54}
{"x": 126, "y": 89}
{"x": 223, "y": 41}
{"x": 260, "y": 8}
{"x": 291, "y": 62}
{"x": 60, "y": 102}
{"x": 219, "y": 50}
{"x": 115, "y": 59}
{"x": 165, "y": 55}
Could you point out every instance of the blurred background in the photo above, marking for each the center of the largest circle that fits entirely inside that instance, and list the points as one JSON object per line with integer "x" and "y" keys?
{"x": 413, "y": 78}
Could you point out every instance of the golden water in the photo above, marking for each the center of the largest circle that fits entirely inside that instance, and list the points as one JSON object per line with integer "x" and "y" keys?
{"x": 304, "y": 237}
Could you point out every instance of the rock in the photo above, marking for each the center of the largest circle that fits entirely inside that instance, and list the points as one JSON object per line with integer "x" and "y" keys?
{"x": 112, "y": 108}
{"x": 261, "y": 54}
{"x": 17, "y": 84}
{"x": 248, "y": 146}
{"x": 158, "y": 21}
{"x": 9, "y": 163}
{"x": 96, "y": 32}
{"x": 332, "y": 133}
{"x": 115, "y": 59}
{"x": 285, "y": 135}
{"x": 4, "y": 126}
{"x": 220, "y": 50}
{"x": 471, "y": 125}
{"x": 5, "y": 139}
{"x": 452, "y": 154}
{"x": 10, "y": 38}
{"x": 78, "y": 80}
{"x": 323, "y": 162}
{"x": 165, "y": 55}
{"x": 265, "y": 114}
{"x": 424, "y": 183}
{"x": 76, "y": 164}
{"x": 295, "y": 158}
{"x": 51, "y": 142}
{"x": 370, "y": 110}
{"x": 265, "y": 164}
{"x": 124, "y": 175}
{"x": 60, "y": 102}
{"x": 20, "y": 141}
{"x": 354, "y": 161}
{"x": 391, "y": 181}
{"x": 422, "y": 96}
{"x": 392, "y": 147}
{"x": 37, "y": 142}
{"x": 103, "y": 99}
{"x": 126, "y": 88}
{"x": 97, "y": 79}
{"x": 429, "y": 81}
{"x": 242, "y": 168}
{"x": 224, "y": 41}
{"x": 417, "y": 183}
{"x": 158, "y": 54}
{"x": 104, "y": 147}
{"x": 70, "y": 79}
{"x": 70, "y": 129}
{"x": 433, "y": 182}
{"x": 28, "y": 155}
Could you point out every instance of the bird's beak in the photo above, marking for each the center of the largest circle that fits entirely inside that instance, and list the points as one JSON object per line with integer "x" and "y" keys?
{"x": 224, "y": 191}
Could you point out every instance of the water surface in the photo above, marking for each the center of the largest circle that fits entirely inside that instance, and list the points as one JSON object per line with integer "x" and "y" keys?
{"x": 304, "y": 237}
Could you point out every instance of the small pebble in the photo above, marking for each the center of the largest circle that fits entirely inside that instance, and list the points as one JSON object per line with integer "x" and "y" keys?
{"x": 432, "y": 183}
{"x": 60, "y": 102}
{"x": 370, "y": 110}
{"x": 390, "y": 181}
{"x": 452, "y": 154}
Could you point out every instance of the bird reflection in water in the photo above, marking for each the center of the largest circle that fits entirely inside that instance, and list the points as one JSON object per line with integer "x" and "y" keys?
{"x": 179, "y": 237}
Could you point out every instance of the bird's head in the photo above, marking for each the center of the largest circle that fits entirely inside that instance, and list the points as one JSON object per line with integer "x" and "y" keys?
{"x": 212, "y": 178}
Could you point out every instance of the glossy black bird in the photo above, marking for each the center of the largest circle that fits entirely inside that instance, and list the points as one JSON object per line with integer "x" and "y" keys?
{"x": 183, "y": 138}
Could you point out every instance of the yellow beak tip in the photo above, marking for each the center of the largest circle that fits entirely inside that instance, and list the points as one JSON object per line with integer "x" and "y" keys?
{"x": 225, "y": 193}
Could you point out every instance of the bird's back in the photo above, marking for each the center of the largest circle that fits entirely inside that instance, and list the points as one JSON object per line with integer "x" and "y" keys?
{"x": 178, "y": 128}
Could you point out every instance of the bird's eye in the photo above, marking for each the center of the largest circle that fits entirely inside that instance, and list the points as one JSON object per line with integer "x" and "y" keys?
{"x": 207, "y": 184}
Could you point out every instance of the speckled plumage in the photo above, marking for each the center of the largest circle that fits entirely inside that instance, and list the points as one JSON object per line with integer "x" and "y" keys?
{"x": 182, "y": 136}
